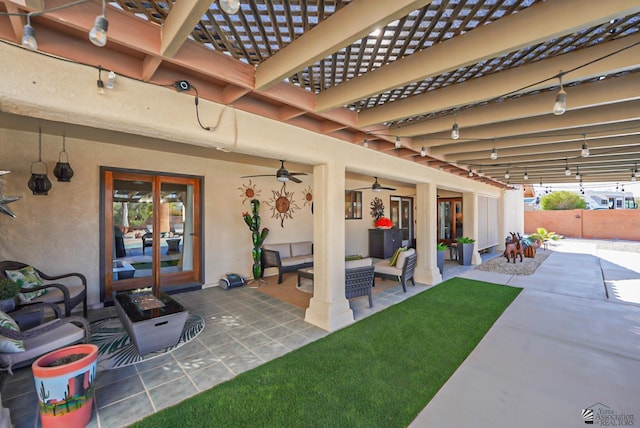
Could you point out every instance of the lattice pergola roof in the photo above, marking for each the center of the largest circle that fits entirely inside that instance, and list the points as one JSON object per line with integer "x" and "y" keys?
{"x": 412, "y": 68}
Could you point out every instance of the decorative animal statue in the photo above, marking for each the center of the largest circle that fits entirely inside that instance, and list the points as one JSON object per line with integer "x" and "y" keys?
{"x": 513, "y": 248}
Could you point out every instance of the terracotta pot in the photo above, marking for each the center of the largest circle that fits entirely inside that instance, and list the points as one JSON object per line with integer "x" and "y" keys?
{"x": 65, "y": 391}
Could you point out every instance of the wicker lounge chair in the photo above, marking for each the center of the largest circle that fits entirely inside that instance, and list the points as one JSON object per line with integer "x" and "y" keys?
{"x": 72, "y": 293}
{"x": 42, "y": 338}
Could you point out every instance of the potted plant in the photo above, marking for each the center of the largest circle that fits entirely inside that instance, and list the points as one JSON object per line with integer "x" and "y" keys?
{"x": 465, "y": 250}
{"x": 8, "y": 292}
{"x": 544, "y": 236}
{"x": 441, "y": 251}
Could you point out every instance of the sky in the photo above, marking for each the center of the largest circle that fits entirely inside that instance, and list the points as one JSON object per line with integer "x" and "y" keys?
{"x": 628, "y": 187}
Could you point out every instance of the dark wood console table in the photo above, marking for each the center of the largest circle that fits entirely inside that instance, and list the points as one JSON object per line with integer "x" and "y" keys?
{"x": 383, "y": 242}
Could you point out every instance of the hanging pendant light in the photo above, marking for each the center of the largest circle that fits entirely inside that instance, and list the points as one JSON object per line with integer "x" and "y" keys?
{"x": 39, "y": 183}
{"x": 230, "y": 6}
{"x": 62, "y": 170}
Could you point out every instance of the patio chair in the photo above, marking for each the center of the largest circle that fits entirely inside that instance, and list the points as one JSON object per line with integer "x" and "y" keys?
{"x": 407, "y": 260}
{"x": 38, "y": 340}
{"x": 358, "y": 282}
{"x": 71, "y": 293}
{"x": 147, "y": 241}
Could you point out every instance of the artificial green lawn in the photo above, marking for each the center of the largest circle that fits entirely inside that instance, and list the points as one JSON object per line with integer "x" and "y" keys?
{"x": 379, "y": 372}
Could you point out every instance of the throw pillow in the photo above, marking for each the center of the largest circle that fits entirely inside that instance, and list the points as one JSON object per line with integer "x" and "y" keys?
{"x": 27, "y": 277}
{"x": 394, "y": 258}
{"x": 6, "y": 344}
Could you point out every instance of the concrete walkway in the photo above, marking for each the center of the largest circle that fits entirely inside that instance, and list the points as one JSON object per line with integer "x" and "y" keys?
{"x": 561, "y": 347}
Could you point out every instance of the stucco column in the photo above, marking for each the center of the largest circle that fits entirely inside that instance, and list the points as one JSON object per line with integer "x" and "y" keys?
{"x": 513, "y": 213}
{"x": 426, "y": 233}
{"x": 328, "y": 308}
{"x": 470, "y": 222}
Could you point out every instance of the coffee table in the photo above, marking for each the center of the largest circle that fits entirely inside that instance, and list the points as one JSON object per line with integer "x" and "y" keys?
{"x": 305, "y": 273}
{"x": 153, "y": 322}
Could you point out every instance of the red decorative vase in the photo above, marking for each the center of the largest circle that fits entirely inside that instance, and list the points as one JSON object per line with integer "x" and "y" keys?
{"x": 64, "y": 382}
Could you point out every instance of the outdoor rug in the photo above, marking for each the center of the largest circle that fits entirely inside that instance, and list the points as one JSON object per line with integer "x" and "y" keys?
{"x": 115, "y": 348}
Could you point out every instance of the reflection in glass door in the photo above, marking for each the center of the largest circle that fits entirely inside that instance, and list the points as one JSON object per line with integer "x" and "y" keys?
{"x": 151, "y": 231}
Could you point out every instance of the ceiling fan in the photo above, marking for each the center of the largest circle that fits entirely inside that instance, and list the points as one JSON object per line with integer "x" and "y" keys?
{"x": 376, "y": 187}
{"x": 282, "y": 174}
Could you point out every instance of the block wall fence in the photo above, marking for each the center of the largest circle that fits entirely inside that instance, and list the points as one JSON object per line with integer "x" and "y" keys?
{"x": 587, "y": 224}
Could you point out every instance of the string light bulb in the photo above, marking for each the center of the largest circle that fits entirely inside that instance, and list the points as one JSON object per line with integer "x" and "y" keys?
{"x": 398, "y": 143}
{"x": 230, "y": 6}
{"x": 585, "y": 147}
{"x": 423, "y": 152}
{"x": 98, "y": 33}
{"x": 494, "y": 154}
{"x": 560, "y": 106}
{"x": 567, "y": 171}
{"x": 365, "y": 144}
{"x": 507, "y": 175}
{"x": 526, "y": 176}
{"x": 578, "y": 173}
{"x": 29, "y": 36}
{"x": 455, "y": 130}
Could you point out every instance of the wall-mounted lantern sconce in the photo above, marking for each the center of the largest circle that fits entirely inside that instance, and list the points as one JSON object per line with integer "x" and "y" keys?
{"x": 39, "y": 183}
{"x": 62, "y": 170}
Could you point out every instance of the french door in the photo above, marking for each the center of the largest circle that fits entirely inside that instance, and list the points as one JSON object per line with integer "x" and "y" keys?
{"x": 449, "y": 219}
{"x": 402, "y": 217}
{"x": 151, "y": 231}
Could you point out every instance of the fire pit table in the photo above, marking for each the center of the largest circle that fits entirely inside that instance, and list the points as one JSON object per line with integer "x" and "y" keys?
{"x": 153, "y": 322}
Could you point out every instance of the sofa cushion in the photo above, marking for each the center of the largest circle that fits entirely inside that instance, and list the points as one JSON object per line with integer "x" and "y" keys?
{"x": 293, "y": 261}
{"x": 383, "y": 267}
{"x": 6, "y": 344}
{"x": 394, "y": 258}
{"x": 350, "y": 264}
{"x": 27, "y": 277}
{"x": 301, "y": 249}
{"x": 403, "y": 256}
{"x": 283, "y": 249}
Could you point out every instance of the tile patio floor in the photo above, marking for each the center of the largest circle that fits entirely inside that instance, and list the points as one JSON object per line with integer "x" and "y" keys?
{"x": 244, "y": 328}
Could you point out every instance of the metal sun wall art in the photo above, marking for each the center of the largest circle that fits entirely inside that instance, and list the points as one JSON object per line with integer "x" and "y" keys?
{"x": 249, "y": 192}
{"x": 282, "y": 204}
{"x": 308, "y": 197}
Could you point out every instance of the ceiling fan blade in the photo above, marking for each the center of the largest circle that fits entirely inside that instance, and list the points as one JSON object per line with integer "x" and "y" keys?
{"x": 387, "y": 188}
{"x": 298, "y": 173}
{"x": 261, "y": 175}
{"x": 294, "y": 179}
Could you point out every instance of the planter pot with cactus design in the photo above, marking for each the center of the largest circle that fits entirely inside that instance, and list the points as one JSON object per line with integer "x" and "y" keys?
{"x": 64, "y": 381}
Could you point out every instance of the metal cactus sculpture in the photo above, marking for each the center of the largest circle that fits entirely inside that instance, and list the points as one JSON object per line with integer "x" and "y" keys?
{"x": 258, "y": 237}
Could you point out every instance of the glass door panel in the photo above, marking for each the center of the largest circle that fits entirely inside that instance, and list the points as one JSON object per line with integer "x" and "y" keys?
{"x": 151, "y": 231}
{"x": 449, "y": 219}
{"x": 402, "y": 216}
